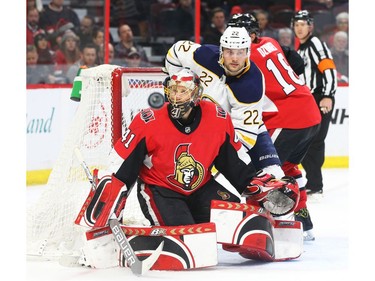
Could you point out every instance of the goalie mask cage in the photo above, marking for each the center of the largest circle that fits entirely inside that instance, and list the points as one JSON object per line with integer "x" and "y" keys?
{"x": 110, "y": 98}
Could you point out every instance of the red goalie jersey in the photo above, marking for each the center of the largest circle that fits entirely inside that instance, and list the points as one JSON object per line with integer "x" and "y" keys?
{"x": 165, "y": 153}
{"x": 288, "y": 103}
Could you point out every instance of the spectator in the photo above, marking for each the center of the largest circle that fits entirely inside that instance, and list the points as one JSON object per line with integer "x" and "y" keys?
{"x": 127, "y": 44}
{"x": 98, "y": 41}
{"x": 68, "y": 53}
{"x": 340, "y": 55}
{"x": 133, "y": 59}
{"x": 87, "y": 59}
{"x": 85, "y": 29}
{"x": 97, "y": 36}
{"x": 32, "y": 25}
{"x": 55, "y": 38}
{"x": 320, "y": 76}
{"x": 55, "y": 12}
{"x": 111, "y": 54}
{"x": 184, "y": 19}
{"x": 263, "y": 19}
{"x": 342, "y": 24}
{"x": 35, "y": 4}
{"x": 318, "y": 4}
{"x": 218, "y": 24}
{"x": 36, "y": 74}
{"x": 134, "y": 13}
{"x": 285, "y": 37}
{"x": 45, "y": 54}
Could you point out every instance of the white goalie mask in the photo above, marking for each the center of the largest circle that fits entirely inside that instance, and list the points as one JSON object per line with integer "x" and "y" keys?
{"x": 183, "y": 91}
{"x": 234, "y": 38}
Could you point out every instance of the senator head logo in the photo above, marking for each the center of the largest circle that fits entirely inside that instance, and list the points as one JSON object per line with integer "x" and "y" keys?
{"x": 188, "y": 173}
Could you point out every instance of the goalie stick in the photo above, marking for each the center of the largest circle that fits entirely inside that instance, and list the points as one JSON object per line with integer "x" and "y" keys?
{"x": 83, "y": 164}
{"x": 137, "y": 266}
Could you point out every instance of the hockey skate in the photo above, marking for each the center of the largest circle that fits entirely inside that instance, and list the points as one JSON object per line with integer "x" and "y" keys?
{"x": 303, "y": 216}
{"x": 314, "y": 196}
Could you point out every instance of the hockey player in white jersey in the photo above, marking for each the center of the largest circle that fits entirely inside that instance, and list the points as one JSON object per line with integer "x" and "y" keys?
{"x": 232, "y": 80}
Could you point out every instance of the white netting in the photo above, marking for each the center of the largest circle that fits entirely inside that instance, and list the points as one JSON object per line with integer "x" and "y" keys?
{"x": 50, "y": 221}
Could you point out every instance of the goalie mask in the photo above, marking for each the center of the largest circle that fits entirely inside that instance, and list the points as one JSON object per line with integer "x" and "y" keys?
{"x": 183, "y": 91}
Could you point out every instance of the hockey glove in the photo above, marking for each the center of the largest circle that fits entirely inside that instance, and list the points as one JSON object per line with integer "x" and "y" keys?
{"x": 279, "y": 197}
{"x": 109, "y": 197}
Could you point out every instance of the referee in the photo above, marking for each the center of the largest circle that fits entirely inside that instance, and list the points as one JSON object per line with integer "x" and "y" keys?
{"x": 320, "y": 76}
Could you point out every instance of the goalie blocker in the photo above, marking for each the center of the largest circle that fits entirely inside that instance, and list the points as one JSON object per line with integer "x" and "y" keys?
{"x": 108, "y": 198}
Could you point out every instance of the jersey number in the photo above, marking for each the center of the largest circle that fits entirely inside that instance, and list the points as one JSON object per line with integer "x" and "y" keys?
{"x": 271, "y": 66}
{"x": 127, "y": 138}
{"x": 205, "y": 78}
{"x": 252, "y": 117}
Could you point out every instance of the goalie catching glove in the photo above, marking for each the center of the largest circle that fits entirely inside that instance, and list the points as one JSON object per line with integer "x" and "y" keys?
{"x": 107, "y": 198}
{"x": 279, "y": 197}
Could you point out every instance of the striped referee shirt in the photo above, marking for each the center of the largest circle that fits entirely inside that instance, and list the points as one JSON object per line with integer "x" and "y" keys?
{"x": 320, "y": 73}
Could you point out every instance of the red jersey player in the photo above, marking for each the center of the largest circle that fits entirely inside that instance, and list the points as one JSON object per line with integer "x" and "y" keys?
{"x": 290, "y": 112}
{"x": 170, "y": 153}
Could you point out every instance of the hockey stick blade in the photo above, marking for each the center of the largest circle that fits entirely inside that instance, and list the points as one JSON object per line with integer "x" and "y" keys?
{"x": 138, "y": 267}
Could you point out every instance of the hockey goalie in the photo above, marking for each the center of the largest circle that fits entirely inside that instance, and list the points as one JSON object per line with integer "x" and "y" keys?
{"x": 167, "y": 157}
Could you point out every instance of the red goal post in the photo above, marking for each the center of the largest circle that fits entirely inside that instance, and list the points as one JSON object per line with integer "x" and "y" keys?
{"x": 144, "y": 79}
{"x": 110, "y": 97}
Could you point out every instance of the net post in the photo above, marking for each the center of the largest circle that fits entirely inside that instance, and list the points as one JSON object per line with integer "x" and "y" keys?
{"x": 116, "y": 104}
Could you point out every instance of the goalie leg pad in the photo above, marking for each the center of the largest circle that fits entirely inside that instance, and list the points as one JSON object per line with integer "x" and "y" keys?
{"x": 244, "y": 228}
{"x": 288, "y": 236}
{"x": 182, "y": 244}
{"x": 102, "y": 252}
{"x": 254, "y": 233}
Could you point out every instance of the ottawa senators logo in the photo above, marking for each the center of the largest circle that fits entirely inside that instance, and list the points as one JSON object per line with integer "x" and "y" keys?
{"x": 188, "y": 173}
{"x": 221, "y": 112}
{"x": 147, "y": 115}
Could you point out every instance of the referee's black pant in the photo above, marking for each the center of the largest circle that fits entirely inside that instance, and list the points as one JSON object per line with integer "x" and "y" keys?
{"x": 314, "y": 158}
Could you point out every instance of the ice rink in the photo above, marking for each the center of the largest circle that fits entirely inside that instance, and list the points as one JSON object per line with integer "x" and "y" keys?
{"x": 327, "y": 257}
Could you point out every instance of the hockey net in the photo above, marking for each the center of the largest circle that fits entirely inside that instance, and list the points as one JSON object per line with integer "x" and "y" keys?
{"x": 110, "y": 98}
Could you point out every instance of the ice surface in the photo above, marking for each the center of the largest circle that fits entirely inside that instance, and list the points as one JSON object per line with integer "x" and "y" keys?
{"x": 327, "y": 257}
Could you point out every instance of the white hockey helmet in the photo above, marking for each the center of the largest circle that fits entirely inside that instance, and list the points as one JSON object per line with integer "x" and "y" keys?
{"x": 235, "y": 38}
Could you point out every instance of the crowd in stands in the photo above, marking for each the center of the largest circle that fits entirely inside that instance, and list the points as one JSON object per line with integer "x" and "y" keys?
{"x": 60, "y": 39}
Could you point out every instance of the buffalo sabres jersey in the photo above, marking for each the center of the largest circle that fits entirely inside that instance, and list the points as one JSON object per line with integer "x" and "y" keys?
{"x": 164, "y": 152}
{"x": 288, "y": 102}
{"x": 241, "y": 95}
